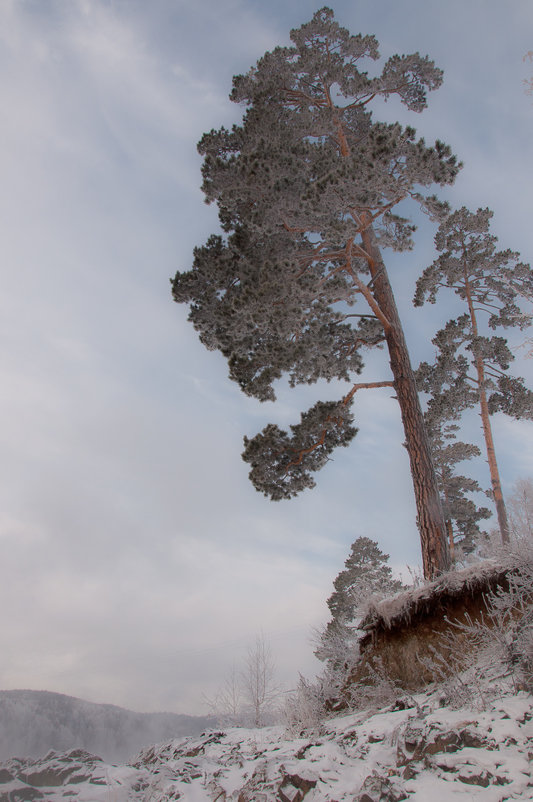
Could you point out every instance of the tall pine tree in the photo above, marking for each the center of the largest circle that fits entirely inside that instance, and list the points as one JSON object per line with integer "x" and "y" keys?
{"x": 306, "y": 189}
{"x": 472, "y": 364}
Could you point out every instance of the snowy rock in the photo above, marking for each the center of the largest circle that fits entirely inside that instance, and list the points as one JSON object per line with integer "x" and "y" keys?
{"x": 75, "y": 774}
{"x": 295, "y": 787}
{"x": 381, "y": 789}
{"x": 420, "y": 740}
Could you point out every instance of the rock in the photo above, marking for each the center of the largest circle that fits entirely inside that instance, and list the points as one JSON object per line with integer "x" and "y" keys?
{"x": 402, "y": 704}
{"x": 288, "y": 793}
{"x": 252, "y": 796}
{"x": 257, "y": 788}
{"x": 381, "y": 789}
{"x": 438, "y": 741}
{"x": 470, "y": 737}
{"x": 294, "y": 788}
{"x": 195, "y": 751}
{"x": 300, "y": 754}
{"x": 409, "y": 772}
{"x": 216, "y": 791}
{"x": 351, "y": 736}
{"x": 54, "y": 770}
{"x": 474, "y": 776}
{"x": 417, "y": 742}
{"x": 409, "y": 742}
{"x": 19, "y": 792}
{"x": 57, "y": 776}
{"x": 207, "y": 738}
{"x": 423, "y": 753}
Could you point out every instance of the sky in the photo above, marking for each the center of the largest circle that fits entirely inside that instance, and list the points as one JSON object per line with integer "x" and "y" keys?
{"x": 138, "y": 563}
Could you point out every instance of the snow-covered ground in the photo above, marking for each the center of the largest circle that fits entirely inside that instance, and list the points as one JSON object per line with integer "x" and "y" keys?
{"x": 414, "y": 749}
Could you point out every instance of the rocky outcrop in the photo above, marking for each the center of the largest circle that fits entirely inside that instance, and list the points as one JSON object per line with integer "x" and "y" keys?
{"x": 402, "y": 634}
{"x": 69, "y": 775}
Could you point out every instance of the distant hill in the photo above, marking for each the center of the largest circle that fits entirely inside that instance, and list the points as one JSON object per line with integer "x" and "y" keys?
{"x": 34, "y": 722}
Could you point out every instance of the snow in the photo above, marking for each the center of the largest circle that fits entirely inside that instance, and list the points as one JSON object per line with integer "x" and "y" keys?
{"x": 402, "y": 606}
{"x": 423, "y": 752}
{"x": 354, "y": 748}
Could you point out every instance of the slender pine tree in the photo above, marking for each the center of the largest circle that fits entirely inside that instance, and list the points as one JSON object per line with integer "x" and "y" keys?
{"x": 306, "y": 189}
{"x": 472, "y": 364}
{"x": 461, "y": 513}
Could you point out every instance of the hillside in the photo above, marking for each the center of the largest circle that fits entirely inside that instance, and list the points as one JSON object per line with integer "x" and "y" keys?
{"x": 414, "y": 749}
{"x": 465, "y": 734}
{"x": 34, "y": 722}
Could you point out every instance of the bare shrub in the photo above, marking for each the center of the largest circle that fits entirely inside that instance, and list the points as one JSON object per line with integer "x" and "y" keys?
{"x": 500, "y": 644}
{"x": 227, "y": 706}
{"x": 258, "y": 682}
{"x": 458, "y": 685}
{"x": 520, "y": 505}
{"x": 248, "y": 696}
{"x": 378, "y": 689}
{"x": 305, "y": 709}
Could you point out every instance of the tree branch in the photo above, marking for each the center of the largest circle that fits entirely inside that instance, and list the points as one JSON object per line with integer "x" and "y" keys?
{"x": 373, "y": 304}
{"x": 345, "y": 401}
{"x": 365, "y": 386}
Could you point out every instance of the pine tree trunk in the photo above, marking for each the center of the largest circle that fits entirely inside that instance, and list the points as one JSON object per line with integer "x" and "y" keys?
{"x": 497, "y": 492}
{"x": 447, "y": 519}
{"x": 430, "y": 519}
{"x": 451, "y": 542}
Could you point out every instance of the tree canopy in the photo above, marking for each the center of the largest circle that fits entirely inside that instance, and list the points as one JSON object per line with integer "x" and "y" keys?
{"x": 307, "y": 189}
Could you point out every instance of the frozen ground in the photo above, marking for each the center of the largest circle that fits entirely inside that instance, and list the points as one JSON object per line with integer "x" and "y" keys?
{"x": 413, "y": 749}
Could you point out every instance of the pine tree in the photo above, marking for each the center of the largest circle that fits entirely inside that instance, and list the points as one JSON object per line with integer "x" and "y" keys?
{"x": 366, "y": 574}
{"x": 461, "y": 514}
{"x": 471, "y": 367}
{"x": 306, "y": 189}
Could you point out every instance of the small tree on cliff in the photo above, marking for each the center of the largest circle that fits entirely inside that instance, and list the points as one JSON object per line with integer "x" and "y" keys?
{"x": 307, "y": 188}
{"x": 366, "y": 574}
{"x": 471, "y": 368}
